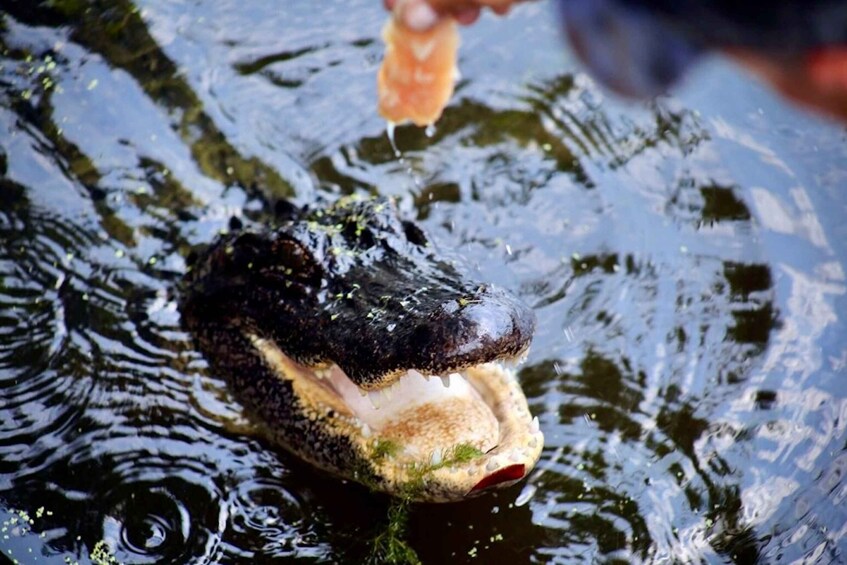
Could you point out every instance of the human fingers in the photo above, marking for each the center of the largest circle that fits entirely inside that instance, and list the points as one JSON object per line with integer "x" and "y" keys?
{"x": 421, "y": 15}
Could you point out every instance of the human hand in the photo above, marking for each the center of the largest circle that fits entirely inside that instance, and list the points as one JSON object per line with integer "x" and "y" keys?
{"x": 421, "y": 15}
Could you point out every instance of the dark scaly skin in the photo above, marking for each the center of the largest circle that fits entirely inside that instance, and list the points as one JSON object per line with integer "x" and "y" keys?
{"x": 317, "y": 440}
{"x": 354, "y": 284}
{"x": 351, "y": 284}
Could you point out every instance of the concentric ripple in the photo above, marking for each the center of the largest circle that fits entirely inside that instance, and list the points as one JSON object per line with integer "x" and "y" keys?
{"x": 269, "y": 518}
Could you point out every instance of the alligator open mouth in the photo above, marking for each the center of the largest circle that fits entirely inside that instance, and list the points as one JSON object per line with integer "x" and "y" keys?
{"x": 411, "y": 429}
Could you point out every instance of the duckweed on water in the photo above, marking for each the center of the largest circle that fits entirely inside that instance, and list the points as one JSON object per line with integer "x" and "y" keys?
{"x": 20, "y": 523}
{"x": 101, "y": 555}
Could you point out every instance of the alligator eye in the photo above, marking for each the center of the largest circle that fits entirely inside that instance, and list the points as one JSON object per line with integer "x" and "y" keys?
{"x": 286, "y": 211}
{"x": 235, "y": 224}
{"x": 414, "y": 234}
{"x": 289, "y": 256}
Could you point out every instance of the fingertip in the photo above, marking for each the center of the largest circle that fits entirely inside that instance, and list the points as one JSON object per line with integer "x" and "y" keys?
{"x": 467, "y": 16}
{"x": 418, "y": 15}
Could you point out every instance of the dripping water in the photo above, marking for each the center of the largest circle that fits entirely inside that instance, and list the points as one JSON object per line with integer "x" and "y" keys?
{"x": 390, "y": 128}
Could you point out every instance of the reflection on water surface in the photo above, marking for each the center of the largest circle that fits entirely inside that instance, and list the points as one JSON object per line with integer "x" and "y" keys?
{"x": 685, "y": 259}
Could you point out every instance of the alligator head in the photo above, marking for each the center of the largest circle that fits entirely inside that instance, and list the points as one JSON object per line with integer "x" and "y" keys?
{"x": 366, "y": 353}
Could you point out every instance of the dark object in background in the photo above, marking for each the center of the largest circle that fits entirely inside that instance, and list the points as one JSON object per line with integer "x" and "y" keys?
{"x": 639, "y": 48}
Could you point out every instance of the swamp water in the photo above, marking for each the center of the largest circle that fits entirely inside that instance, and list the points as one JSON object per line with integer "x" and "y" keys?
{"x": 686, "y": 260}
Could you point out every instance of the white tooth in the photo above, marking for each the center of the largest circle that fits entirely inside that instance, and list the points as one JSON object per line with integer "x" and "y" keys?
{"x": 436, "y": 457}
{"x": 366, "y": 430}
{"x": 427, "y": 377}
{"x": 387, "y": 393}
{"x": 493, "y": 464}
{"x": 535, "y": 425}
{"x": 362, "y": 392}
{"x": 375, "y": 398}
{"x": 533, "y": 442}
{"x": 445, "y": 380}
{"x": 516, "y": 456}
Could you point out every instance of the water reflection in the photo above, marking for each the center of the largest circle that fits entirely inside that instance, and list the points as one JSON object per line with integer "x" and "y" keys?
{"x": 688, "y": 370}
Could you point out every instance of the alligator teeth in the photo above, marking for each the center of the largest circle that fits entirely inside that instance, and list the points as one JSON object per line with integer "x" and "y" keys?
{"x": 387, "y": 392}
{"x": 415, "y": 373}
{"x": 492, "y": 465}
{"x": 436, "y": 457}
{"x": 535, "y": 425}
{"x": 513, "y": 362}
{"x": 445, "y": 380}
{"x": 376, "y": 399}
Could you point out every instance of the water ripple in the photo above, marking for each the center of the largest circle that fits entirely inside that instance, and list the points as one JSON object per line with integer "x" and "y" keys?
{"x": 687, "y": 272}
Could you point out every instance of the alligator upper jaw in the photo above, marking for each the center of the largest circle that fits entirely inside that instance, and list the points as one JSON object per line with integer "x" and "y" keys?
{"x": 422, "y": 438}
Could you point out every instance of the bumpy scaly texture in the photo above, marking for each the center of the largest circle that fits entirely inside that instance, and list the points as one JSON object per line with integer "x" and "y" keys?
{"x": 358, "y": 286}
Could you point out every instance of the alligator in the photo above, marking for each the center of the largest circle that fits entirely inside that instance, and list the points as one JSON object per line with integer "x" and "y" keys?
{"x": 361, "y": 349}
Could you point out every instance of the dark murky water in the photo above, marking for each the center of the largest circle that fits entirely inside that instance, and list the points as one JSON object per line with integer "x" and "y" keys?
{"x": 686, "y": 260}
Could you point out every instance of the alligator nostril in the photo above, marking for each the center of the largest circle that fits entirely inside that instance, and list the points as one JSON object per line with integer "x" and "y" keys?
{"x": 506, "y": 474}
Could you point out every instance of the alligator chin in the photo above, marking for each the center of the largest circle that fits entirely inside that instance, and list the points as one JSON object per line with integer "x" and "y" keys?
{"x": 433, "y": 437}
{"x": 367, "y": 354}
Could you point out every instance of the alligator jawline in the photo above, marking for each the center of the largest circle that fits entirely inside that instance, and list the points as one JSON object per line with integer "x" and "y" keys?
{"x": 482, "y": 407}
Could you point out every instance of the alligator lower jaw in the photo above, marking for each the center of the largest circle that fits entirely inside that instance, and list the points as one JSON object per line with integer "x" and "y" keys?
{"x": 423, "y": 439}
